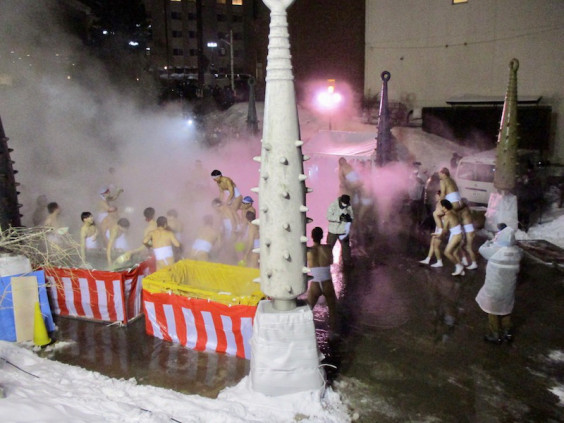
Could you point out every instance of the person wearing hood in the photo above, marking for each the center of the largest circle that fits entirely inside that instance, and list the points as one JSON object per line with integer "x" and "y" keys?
{"x": 497, "y": 296}
{"x": 340, "y": 216}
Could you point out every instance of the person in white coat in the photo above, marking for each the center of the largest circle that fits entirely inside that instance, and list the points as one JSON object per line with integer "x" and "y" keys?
{"x": 497, "y": 296}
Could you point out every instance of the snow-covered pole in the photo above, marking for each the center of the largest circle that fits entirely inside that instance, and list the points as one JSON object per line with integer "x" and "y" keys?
{"x": 508, "y": 139}
{"x": 283, "y": 272}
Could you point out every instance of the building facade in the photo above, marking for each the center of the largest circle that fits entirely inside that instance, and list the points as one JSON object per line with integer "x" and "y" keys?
{"x": 214, "y": 37}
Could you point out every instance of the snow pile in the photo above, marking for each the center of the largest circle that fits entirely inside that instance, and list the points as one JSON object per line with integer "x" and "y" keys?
{"x": 551, "y": 231}
{"x": 38, "y": 389}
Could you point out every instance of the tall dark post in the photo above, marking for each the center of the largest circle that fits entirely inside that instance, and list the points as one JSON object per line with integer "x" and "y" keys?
{"x": 200, "y": 33}
{"x": 384, "y": 137}
{"x": 252, "y": 121}
{"x": 508, "y": 139}
{"x": 9, "y": 207}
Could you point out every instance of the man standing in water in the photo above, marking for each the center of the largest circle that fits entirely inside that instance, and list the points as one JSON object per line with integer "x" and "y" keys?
{"x": 227, "y": 188}
{"x": 319, "y": 260}
{"x": 208, "y": 237}
{"x": 149, "y": 214}
{"x": 88, "y": 234}
{"x": 340, "y": 216}
{"x": 116, "y": 239}
{"x": 162, "y": 240}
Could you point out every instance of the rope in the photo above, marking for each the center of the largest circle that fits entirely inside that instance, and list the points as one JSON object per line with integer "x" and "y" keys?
{"x": 19, "y": 368}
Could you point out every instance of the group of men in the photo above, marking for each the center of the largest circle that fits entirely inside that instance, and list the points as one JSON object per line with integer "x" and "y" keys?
{"x": 452, "y": 215}
{"x": 235, "y": 239}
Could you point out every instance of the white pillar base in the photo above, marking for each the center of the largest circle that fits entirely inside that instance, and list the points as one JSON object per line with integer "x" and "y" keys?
{"x": 502, "y": 208}
{"x": 284, "y": 354}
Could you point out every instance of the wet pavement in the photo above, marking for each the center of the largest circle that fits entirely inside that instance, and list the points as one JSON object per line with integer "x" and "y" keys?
{"x": 411, "y": 346}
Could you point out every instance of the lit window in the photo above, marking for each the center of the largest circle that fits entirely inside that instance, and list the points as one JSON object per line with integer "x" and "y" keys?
{"x": 237, "y": 2}
{"x": 459, "y": 1}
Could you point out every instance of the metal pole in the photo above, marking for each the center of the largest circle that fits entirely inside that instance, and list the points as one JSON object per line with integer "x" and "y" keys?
{"x": 231, "y": 56}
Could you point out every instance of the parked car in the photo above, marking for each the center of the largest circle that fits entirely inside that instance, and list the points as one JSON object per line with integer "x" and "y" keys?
{"x": 475, "y": 174}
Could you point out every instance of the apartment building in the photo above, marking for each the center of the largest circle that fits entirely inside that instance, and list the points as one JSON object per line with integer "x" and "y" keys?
{"x": 213, "y": 36}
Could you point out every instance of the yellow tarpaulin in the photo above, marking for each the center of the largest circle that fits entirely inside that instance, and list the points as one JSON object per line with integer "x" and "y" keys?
{"x": 218, "y": 282}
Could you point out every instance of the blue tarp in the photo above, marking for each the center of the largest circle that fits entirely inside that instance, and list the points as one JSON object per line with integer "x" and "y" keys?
{"x": 7, "y": 323}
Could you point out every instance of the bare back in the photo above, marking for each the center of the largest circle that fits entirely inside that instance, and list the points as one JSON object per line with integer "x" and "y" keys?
{"x": 319, "y": 255}
{"x": 162, "y": 237}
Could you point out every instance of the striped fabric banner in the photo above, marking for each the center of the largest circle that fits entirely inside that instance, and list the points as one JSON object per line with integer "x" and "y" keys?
{"x": 199, "y": 324}
{"x": 96, "y": 294}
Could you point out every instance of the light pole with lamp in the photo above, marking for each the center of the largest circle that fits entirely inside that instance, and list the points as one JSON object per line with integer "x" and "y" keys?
{"x": 328, "y": 100}
{"x": 230, "y": 44}
{"x": 212, "y": 45}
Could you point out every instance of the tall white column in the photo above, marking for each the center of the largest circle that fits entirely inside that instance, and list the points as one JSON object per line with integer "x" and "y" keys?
{"x": 284, "y": 355}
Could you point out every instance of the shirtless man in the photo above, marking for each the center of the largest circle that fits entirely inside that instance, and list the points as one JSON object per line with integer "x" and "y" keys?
{"x": 349, "y": 179}
{"x": 208, "y": 237}
{"x": 449, "y": 191}
{"x": 469, "y": 234}
{"x": 451, "y": 222}
{"x": 52, "y": 219}
{"x": 40, "y": 212}
{"x": 107, "y": 223}
{"x": 227, "y": 217}
{"x": 117, "y": 241}
{"x": 434, "y": 247}
{"x": 177, "y": 227}
{"x": 319, "y": 260}
{"x": 149, "y": 214}
{"x": 104, "y": 204}
{"x": 52, "y": 222}
{"x": 228, "y": 192}
{"x": 162, "y": 240}
{"x": 247, "y": 206}
{"x": 88, "y": 234}
{"x": 252, "y": 242}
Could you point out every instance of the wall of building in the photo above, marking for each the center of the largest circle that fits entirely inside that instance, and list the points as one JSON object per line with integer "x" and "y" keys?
{"x": 435, "y": 50}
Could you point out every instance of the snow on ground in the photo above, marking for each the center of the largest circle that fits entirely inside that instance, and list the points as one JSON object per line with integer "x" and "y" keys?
{"x": 550, "y": 229}
{"x": 38, "y": 389}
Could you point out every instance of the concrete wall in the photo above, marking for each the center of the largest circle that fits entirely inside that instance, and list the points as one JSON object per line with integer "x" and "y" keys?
{"x": 435, "y": 50}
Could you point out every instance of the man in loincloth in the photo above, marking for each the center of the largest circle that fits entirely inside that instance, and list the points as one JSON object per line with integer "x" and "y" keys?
{"x": 449, "y": 191}
{"x": 469, "y": 235}
{"x": 149, "y": 214}
{"x": 54, "y": 236}
{"x": 117, "y": 242}
{"x": 107, "y": 197}
{"x": 107, "y": 223}
{"x": 228, "y": 192}
{"x": 176, "y": 226}
{"x": 208, "y": 237}
{"x": 319, "y": 260}
{"x": 162, "y": 240}
{"x": 451, "y": 222}
{"x": 88, "y": 234}
{"x": 252, "y": 241}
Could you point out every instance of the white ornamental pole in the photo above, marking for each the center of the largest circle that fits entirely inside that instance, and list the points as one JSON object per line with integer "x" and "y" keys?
{"x": 284, "y": 356}
{"x": 283, "y": 271}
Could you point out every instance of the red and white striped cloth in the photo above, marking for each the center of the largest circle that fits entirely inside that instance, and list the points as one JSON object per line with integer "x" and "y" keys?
{"x": 96, "y": 294}
{"x": 199, "y": 324}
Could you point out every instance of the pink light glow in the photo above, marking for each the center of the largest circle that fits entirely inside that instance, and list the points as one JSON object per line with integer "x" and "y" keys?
{"x": 329, "y": 99}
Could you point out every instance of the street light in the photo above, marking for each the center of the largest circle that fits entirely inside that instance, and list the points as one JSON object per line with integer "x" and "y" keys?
{"x": 212, "y": 45}
{"x": 230, "y": 44}
{"x": 328, "y": 100}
